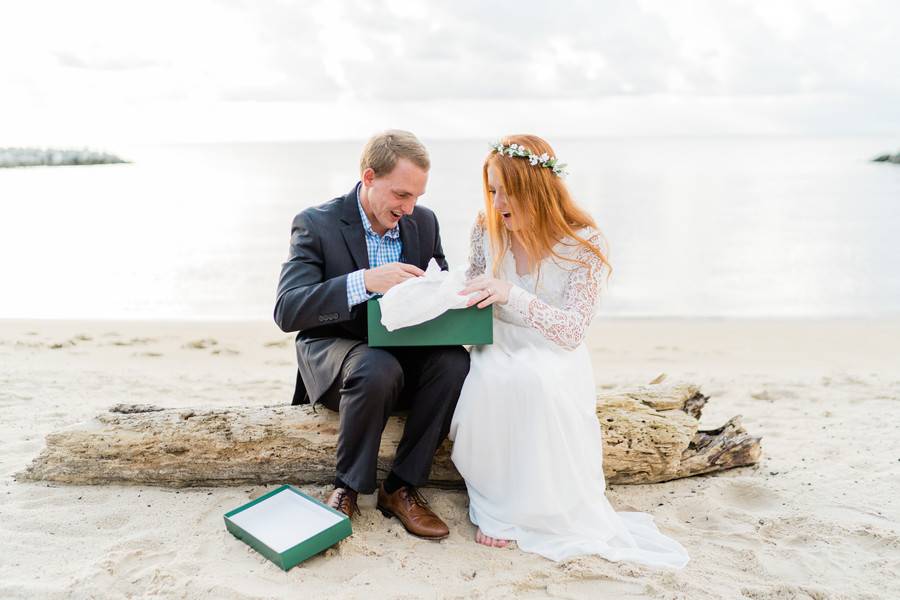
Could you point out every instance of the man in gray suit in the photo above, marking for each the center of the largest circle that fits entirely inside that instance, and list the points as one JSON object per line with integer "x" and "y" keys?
{"x": 342, "y": 253}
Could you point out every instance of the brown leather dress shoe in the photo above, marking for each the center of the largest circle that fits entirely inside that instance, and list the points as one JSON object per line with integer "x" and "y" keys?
{"x": 343, "y": 500}
{"x": 408, "y": 505}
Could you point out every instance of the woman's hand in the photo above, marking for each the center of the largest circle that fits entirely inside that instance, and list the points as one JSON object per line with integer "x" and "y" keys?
{"x": 490, "y": 291}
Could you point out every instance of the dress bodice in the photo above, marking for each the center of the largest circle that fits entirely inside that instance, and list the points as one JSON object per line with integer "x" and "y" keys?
{"x": 559, "y": 299}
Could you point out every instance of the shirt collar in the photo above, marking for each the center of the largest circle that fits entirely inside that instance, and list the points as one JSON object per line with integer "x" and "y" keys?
{"x": 392, "y": 233}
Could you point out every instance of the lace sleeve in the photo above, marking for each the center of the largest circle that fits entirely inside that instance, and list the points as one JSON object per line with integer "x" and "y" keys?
{"x": 476, "y": 249}
{"x": 568, "y": 325}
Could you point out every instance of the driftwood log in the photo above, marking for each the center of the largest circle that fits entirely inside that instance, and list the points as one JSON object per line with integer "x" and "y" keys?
{"x": 650, "y": 434}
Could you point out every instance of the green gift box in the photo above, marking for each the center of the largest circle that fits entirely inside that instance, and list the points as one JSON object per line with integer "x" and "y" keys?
{"x": 287, "y": 526}
{"x": 457, "y": 327}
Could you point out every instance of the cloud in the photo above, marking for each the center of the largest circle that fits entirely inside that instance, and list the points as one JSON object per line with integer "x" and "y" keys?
{"x": 466, "y": 49}
{"x": 700, "y": 62}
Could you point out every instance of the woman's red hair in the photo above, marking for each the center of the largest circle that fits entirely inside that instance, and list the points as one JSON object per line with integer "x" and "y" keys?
{"x": 540, "y": 203}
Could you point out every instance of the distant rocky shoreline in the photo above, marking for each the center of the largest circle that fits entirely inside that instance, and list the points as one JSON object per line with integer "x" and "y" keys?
{"x": 891, "y": 158}
{"x": 36, "y": 157}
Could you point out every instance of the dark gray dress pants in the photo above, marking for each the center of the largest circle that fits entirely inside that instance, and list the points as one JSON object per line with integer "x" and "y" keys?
{"x": 373, "y": 383}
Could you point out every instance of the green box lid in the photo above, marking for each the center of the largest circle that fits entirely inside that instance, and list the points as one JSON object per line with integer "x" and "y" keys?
{"x": 457, "y": 327}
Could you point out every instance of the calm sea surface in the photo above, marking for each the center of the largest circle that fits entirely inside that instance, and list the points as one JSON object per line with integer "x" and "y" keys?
{"x": 713, "y": 227}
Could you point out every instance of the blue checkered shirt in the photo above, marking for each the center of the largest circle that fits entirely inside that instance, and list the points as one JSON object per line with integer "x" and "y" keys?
{"x": 382, "y": 250}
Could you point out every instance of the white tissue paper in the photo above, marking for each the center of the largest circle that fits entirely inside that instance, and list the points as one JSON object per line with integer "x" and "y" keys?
{"x": 421, "y": 299}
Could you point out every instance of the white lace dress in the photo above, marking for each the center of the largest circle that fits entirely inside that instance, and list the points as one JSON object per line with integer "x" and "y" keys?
{"x": 525, "y": 431}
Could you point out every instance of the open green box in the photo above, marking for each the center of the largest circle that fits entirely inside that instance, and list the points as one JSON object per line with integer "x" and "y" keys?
{"x": 287, "y": 526}
{"x": 458, "y": 327}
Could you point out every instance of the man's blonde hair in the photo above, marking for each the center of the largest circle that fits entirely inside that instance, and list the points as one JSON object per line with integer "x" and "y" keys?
{"x": 384, "y": 149}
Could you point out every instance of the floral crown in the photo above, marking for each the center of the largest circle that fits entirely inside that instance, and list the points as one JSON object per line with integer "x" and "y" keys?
{"x": 544, "y": 160}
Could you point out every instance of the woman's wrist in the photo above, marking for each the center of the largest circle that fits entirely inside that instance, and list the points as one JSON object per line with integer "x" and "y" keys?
{"x": 518, "y": 297}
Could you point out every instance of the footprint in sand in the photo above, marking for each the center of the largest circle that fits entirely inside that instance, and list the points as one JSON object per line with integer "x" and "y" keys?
{"x": 587, "y": 588}
{"x": 773, "y": 394}
{"x": 201, "y": 344}
{"x": 279, "y": 343}
{"x": 278, "y": 363}
{"x": 750, "y": 496}
{"x": 134, "y": 342}
{"x": 138, "y": 564}
{"x": 225, "y": 351}
{"x": 81, "y": 337}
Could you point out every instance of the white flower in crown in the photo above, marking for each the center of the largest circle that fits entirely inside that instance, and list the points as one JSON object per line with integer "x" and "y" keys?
{"x": 543, "y": 160}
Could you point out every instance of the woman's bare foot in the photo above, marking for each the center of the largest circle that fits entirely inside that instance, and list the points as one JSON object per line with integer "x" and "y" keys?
{"x": 489, "y": 541}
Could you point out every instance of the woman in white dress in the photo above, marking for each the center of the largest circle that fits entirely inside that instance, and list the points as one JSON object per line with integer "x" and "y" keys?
{"x": 525, "y": 431}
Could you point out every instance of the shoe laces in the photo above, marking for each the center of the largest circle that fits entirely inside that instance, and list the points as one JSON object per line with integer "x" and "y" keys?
{"x": 413, "y": 495}
{"x": 344, "y": 495}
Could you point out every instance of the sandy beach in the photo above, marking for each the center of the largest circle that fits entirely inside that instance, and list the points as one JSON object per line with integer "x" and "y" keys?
{"x": 819, "y": 517}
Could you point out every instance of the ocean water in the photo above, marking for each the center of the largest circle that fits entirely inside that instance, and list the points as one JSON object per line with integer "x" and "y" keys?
{"x": 697, "y": 227}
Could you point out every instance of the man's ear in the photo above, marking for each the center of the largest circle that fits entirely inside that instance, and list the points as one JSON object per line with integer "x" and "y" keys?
{"x": 368, "y": 176}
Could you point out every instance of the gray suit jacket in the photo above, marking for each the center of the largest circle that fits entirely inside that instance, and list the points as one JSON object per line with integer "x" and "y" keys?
{"x": 327, "y": 243}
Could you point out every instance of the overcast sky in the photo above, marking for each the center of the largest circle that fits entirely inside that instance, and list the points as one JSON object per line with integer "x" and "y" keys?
{"x": 88, "y": 72}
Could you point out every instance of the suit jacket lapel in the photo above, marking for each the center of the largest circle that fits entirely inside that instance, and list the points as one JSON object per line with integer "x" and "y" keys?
{"x": 409, "y": 236}
{"x": 353, "y": 231}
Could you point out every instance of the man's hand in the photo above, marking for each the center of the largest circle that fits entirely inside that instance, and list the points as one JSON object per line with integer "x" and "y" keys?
{"x": 383, "y": 278}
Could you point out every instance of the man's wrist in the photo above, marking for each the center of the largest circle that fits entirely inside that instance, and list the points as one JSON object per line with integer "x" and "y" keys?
{"x": 356, "y": 289}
